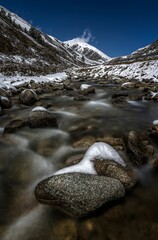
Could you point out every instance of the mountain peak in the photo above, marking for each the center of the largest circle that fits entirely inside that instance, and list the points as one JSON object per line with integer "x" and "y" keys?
{"x": 85, "y": 49}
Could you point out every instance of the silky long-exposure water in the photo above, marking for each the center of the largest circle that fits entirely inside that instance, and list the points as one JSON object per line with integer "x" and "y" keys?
{"x": 31, "y": 155}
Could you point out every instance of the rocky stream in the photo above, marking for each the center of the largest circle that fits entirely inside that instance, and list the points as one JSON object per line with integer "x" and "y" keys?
{"x": 52, "y": 127}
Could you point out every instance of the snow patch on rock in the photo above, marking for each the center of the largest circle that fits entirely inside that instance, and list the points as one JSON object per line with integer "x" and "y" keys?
{"x": 98, "y": 150}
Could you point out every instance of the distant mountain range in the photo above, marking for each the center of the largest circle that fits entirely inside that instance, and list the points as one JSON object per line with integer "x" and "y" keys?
{"x": 140, "y": 65}
{"x": 27, "y": 51}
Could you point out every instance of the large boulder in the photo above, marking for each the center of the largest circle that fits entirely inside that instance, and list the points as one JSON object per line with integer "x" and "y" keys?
{"x": 78, "y": 194}
{"x": 41, "y": 118}
{"x": 14, "y": 125}
{"x": 28, "y": 97}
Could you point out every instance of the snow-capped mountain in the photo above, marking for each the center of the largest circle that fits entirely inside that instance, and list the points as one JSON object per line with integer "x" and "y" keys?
{"x": 149, "y": 52}
{"x": 140, "y": 65}
{"x": 88, "y": 53}
{"x": 27, "y": 50}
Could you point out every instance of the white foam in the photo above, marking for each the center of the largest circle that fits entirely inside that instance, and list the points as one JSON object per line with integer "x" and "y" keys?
{"x": 98, "y": 104}
{"x": 135, "y": 103}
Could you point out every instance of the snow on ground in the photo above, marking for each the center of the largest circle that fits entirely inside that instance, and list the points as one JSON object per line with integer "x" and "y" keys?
{"x": 15, "y": 81}
{"x": 138, "y": 70}
{"x": 17, "y": 19}
{"x": 85, "y": 86}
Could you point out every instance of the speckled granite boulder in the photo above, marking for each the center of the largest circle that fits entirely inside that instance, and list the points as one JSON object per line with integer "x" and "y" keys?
{"x": 41, "y": 118}
{"x": 112, "y": 169}
{"x": 78, "y": 194}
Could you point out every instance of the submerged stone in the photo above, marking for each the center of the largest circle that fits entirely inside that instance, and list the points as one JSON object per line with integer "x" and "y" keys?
{"x": 78, "y": 194}
{"x": 14, "y": 125}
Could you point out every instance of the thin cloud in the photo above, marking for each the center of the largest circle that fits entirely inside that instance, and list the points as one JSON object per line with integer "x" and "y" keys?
{"x": 87, "y": 36}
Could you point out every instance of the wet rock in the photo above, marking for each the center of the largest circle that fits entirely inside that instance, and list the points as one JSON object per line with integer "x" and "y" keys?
{"x": 14, "y": 125}
{"x": 119, "y": 100}
{"x": 68, "y": 85}
{"x": 75, "y": 159}
{"x": 39, "y": 90}
{"x": 78, "y": 194}
{"x": 28, "y": 97}
{"x": 127, "y": 85}
{"x": 34, "y": 84}
{"x": 154, "y": 161}
{"x": 41, "y": 118}
{"x": 134, "y": 148}
{"x": 5, "y": 102}
{"x": 13, "y": 90}
{"x": 111, "y": 140}
{"x": 153, "y": 133}
{"x": 84, "y": 142}
{"x": 135, "y": 97}
{"x": 57, "y": 86}
{"x": 120, "y": 94}
{"x": 149, "y": 150}
{"x": 148, "y": 96}
{"x": 22, "y": 85}
{"x": 80, "y": 97}
{"x": 0, "y": 111}
{"x": 4, "y": 93}
{"x": 112, "y": 169}
{"x": 87, "y": 89}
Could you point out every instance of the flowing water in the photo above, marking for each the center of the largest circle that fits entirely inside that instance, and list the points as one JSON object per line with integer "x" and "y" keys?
{"x": 31, "y": 155}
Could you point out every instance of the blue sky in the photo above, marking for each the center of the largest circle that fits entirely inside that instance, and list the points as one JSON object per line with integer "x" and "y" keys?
{"x": 116, "y": 27}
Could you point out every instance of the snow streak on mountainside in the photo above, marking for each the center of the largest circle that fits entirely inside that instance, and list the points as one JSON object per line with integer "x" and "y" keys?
{"x": 25, "y": 49}
{"x": 149, "y": 52}
{"x": 88, "y": 53}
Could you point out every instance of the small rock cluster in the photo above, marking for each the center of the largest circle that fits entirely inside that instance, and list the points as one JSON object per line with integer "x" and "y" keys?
{"x": 39, "y": 117}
